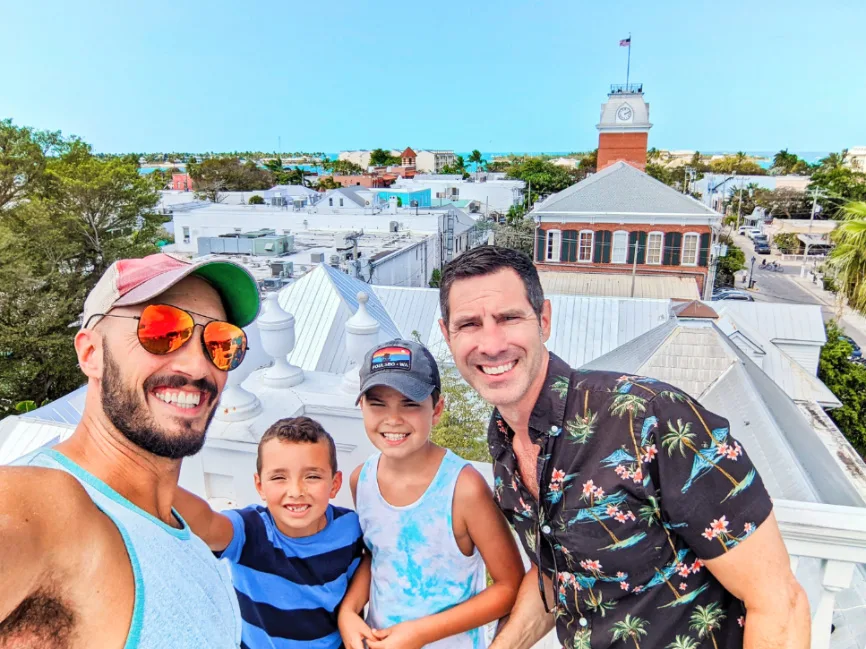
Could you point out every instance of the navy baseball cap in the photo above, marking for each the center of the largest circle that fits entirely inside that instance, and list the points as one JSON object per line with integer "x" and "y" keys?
{"x": 404, "y": 365}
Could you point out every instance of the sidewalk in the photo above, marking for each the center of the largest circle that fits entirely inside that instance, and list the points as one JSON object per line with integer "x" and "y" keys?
{"x": 850, "y": 319}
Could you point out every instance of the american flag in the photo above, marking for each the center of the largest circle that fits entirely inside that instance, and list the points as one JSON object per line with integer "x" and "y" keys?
{"x": 626, "y": 42}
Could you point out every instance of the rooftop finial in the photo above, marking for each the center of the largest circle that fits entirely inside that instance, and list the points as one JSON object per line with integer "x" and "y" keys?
{"x": 277, "y": 328}
{"x": 362, "y": 334}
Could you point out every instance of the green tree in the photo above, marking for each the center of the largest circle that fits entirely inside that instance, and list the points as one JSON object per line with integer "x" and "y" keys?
{"x": 344, "y": 168}
{"x": 734, "y": 261}
{"x": 518, "y": 233}
{"x": 463, "y": 426}
{"x": 383, "y": 158}
{"x": 435, "y": 278}
{"x": 477, "y": 159}
{"x": 785, "y": 163}
{"x": 787, "y": 242}
{"x": 739, "y": 163}
{"x": 848, "y": 259}
{"x": 23, "y": 154}
{"x": 255, "y": 199}
{"x": 837, "y": 185}
{"x": 847, "y": 381}
{"x": 71, "y": 222}
{"x": 326, "y": 183}
{"x": 227, "y": 174}
{"x": 275, "y": 164}
{"x": 545, "y": 177}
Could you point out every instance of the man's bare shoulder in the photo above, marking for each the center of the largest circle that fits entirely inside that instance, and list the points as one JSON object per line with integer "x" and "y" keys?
{"x": 35, "y": 501}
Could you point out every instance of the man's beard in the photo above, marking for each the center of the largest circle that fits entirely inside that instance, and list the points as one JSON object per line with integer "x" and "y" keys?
{"x": 129, "y": 414}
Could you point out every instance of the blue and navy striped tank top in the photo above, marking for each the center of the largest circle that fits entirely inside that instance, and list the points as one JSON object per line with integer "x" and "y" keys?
{"x": 289, "y": 588}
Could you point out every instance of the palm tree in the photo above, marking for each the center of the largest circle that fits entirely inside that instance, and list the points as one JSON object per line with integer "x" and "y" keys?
{"x": 580, "y": 429}
{"x": 631, "y": 404}
{"x": 706, "y": 619}
{"x": 683, "y": 642}
{"x": 848, "y": 259}
{"x": 652, "y": 514}
{"x": 477, "y": 159}
{"x": 630, "y": 627}
{"x": 681, "y": 438}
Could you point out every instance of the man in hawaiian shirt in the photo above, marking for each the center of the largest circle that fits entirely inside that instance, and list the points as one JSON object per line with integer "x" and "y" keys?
{"x": 644, "y": 519}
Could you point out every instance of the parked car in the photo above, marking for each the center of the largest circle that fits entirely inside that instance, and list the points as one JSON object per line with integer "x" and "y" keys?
{"x": 733, "y": 295}
{"x": 752, "y": 232}
{"x": 762, "y": 247}
{"x": 743, "y": 229}
{"x": 856, "y": 351}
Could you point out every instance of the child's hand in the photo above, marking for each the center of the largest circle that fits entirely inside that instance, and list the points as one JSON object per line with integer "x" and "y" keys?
{"x": 353, "y": 630}
{"x": 405, "y": 635}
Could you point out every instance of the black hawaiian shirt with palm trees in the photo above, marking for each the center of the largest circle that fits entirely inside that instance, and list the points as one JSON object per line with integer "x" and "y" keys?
{"x": 638, "y": 485}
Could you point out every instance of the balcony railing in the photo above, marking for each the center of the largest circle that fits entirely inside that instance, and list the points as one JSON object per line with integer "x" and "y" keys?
{"x": 833, "y": 539}
{"x": 621, "y": 88}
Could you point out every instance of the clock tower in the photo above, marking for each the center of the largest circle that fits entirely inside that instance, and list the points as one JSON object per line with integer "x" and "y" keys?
{"x": 624, "y": 127}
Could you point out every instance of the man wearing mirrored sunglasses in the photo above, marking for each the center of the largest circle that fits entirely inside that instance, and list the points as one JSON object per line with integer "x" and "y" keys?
{"x": 92, "y": 553}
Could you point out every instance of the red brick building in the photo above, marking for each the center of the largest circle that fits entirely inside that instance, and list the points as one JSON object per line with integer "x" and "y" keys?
{"x": 620, "y": 220}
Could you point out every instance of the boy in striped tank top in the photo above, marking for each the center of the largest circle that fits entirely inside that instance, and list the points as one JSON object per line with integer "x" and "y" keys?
{"x": 291, "y": 562}
{"x": 428, "y": 518}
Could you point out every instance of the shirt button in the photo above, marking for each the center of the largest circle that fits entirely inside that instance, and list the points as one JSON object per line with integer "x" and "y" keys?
{"x": 546, "y": 529}
{"x": 582, "y": 621}
{"x": 553, "y": 429}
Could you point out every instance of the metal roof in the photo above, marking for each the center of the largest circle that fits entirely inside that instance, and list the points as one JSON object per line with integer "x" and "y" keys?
{"x": 798, "y": 383}
{"x": 776, "y": 321}
{"x": 618, "y": 285}
{"x": 622, "y": 189}
{"x": 22, "y": 435}
{"x": 321, "y": 302}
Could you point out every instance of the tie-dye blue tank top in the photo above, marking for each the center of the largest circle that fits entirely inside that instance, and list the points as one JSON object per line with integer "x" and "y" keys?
{"x": 418, "y": 569}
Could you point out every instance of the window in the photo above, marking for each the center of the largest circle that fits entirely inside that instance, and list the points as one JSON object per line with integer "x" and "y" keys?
{"x": 185, "y": 234}
{"x": 654, "y": 248}
{"x": 584, "y": 246}
{"x": 341, "y": 202}
{"x": 554, "y": 244}
{"x": 690, "y": 249}
{"x": 620, "y": 247}
{"x": 331, "y": 202}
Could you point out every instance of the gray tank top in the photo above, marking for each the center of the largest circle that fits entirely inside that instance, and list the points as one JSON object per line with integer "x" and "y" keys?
{"x": 183, "y": 597}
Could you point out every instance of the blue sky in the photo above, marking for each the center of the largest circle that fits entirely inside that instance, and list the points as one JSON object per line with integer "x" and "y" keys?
{"x": 509, "y": 75}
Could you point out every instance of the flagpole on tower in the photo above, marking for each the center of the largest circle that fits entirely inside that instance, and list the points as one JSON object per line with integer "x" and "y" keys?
{"x": 628, "y": 65}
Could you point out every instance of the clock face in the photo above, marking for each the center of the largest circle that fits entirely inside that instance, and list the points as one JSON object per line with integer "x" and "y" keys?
{"x": 624, "y": 113}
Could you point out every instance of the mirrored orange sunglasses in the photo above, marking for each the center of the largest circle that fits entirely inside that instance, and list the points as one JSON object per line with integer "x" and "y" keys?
{"x": 163, "y": 329}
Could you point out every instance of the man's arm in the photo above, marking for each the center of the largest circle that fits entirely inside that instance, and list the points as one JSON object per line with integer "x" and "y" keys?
{"x": 758, "y": 571}
{"x": 22, "y": 528}
{"x": 475, "y": 508}
{"x": 528, "y": 622}
{"x": 214, "y": 529}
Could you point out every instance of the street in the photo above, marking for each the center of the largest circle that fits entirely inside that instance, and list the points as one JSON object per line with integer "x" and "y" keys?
{"x": 773, "y": 286}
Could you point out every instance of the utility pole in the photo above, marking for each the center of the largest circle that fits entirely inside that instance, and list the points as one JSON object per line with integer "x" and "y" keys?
{"x": 809, "y": 236}
{"x": 634, "y": 266}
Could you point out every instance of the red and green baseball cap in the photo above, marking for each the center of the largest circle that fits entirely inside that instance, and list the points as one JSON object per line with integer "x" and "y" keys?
{"x": 134, "y": 281}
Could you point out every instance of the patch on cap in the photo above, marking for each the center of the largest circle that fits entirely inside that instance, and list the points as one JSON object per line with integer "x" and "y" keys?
{"x": 391, "y": 358}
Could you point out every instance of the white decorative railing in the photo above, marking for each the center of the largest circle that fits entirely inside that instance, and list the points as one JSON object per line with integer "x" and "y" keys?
{"x": 833, "y": 538}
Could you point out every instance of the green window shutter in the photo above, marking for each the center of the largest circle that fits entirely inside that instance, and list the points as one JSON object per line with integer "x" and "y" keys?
{"x": 605, "y": 251}
{"x": 641, "y": 248}
{"x": 540, "y": 244}
{"x": 632, "y": 239}
{"x": 569, "y": 245}
{"x": 597, "y": 243}
{"x": 667, "y": 255}
{"x": 704, "y": 253}
{"x": 677, "y": 249}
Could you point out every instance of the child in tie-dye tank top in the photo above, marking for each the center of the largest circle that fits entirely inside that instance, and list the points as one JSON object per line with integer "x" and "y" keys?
{"x": 428, "y": 518}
